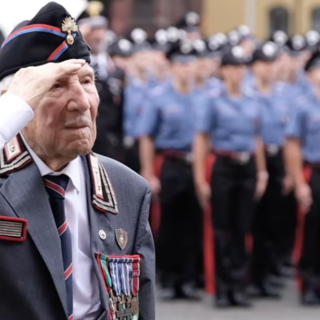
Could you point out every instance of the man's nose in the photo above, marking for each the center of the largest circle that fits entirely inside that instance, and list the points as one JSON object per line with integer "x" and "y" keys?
{"x": 79, "y": 100}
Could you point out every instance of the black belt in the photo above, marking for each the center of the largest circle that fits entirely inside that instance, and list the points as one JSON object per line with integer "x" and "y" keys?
{"x": 238, "y": 157}
{"x": 176, "y": 154}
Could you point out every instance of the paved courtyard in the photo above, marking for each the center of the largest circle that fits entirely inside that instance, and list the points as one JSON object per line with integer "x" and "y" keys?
{"x": 285, "y": 309}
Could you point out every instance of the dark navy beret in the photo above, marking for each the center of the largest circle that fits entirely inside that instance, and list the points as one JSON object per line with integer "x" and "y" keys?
{"x": 266, "y": 52}
{"x": 51, "y": 36}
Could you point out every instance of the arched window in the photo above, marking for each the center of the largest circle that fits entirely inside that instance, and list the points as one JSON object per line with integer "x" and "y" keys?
{"x": 316, "y": 19}
{"x": 279, "y": 19}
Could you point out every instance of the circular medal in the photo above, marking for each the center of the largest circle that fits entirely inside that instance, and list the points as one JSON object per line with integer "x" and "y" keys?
{"x": 135, "y": 305}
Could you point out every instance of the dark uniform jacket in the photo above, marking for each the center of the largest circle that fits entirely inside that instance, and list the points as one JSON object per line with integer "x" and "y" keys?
{"x": 110, "y": 116}
{"x": 32, "y": 284}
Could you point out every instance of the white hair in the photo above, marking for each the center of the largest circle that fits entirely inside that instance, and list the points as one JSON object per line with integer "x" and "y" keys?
{"x": 5, "y": 82}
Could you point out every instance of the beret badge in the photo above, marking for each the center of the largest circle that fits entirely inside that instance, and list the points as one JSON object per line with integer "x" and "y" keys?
{"x": 69, "y": 26}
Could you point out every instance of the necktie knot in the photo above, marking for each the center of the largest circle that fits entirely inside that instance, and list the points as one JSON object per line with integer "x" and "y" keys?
{"x": 56, "y": 185}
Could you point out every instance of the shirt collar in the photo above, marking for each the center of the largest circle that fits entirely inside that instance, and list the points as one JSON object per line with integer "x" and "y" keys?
{"x": 72, "y": 170}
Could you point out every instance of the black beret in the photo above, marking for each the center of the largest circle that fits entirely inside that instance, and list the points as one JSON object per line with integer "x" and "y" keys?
{"x": 182, "y": 52}
{"x": 267, "y": 52}
{"x": 297, "y": 44}
{"x": 51, "y": 36}
{"x": 234, "y": 56}
{"x": 139, "y": 39}
{"x": 313, "y": 40}
{"x": 190, "y": 22}
{"x": 121, "y": 48}
{"x": 160, "y": 41}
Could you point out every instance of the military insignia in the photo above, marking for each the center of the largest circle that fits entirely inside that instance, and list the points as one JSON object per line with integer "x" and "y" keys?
{"x": 121, "y": 275}
{"x": 13, "y": 229}
{"x": 103, "y": 198}
{"x": 122, "y": 238}
{"x": 69, "y": 26}
{"x": 14, "y": 156}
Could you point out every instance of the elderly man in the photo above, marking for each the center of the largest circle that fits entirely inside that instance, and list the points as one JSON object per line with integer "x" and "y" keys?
{"x": 75, "y": 242}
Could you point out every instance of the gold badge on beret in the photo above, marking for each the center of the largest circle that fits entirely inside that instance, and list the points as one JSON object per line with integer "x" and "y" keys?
{"x": 70, "y": 26}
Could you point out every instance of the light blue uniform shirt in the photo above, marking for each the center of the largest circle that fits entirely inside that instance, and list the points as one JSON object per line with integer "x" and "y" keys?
{"x": 274, "y": 115}
{"x": 304, "y": 124}
{"x": 134, "y": 98}
{"x": 169, "y": 118}
{"x": 233, "y": 123}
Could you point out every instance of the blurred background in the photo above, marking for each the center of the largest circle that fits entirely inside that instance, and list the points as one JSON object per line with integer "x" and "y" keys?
{"x": 262, "y": 16}
{"x": 261, "y": 19}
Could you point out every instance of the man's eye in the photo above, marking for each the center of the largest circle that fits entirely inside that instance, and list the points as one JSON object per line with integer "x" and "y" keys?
{"x": 56, "y": 86}
{"x": 86, "y": 80}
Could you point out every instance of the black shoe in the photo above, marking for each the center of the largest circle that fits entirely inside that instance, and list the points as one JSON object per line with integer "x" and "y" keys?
{"x": 187, "y": 292}
{"x": 309, "y": 298}
{"x": 167, "y": 294}
{"x": 222, "y": 301}
{"x": 267, "y": 291}
{"x": 240, "y": 299}
{"x": 275, "y": 282}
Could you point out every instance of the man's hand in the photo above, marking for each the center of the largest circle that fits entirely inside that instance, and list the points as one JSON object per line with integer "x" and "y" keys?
{"x": 304, "y": 196}
{"x": 32, "y": 83}
{"x": 261, "y": 186}
{"x": 287, "y": 185}
{"x": 155, "y": 185}
{"x": 204, "y": 194}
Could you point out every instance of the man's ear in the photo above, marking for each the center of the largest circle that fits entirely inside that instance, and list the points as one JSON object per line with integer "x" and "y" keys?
{"x": 3, "y": 92}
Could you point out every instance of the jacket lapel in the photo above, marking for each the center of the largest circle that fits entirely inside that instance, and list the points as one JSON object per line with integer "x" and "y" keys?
{"x": 97, "y": 222}
{"x": 25, "y": 192}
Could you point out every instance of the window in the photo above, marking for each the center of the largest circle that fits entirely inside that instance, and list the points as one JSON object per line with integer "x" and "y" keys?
{"x": 279, "y": 20}
{"x": 316, "y": 19}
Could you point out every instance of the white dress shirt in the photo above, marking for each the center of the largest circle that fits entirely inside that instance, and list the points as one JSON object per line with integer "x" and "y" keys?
{"x": 14, "y": 116}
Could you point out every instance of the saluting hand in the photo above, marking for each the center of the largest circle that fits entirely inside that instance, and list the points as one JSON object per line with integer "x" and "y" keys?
{"x": 32, "y": 83}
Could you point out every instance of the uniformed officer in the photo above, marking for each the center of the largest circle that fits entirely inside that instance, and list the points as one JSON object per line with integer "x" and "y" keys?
{"x": 135, "y": 95}
{"x": 303, "y": 134}
{"x": 269, "y": 222}
{"x": 190, "y": 25}
{"x": 120, "y": 52}
{"x": 167, "y": 128}
{"x": 109, "y": 82}
{"x": 160, "y": 68}
{"x": 231, "y": 118}
{"x": 71, "y": 217}
{"x": 207, "y": 64}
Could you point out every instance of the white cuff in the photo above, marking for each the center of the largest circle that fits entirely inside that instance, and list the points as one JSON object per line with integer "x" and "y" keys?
{"x": 14, "y": 116}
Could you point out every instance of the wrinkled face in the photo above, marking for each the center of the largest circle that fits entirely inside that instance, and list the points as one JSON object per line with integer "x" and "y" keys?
{"x": 264, "y": 70}
{"x": 64, "y": 125}
{"x": 233, "y": 74}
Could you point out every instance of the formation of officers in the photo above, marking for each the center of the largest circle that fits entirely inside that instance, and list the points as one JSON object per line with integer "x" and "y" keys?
{"x": 254, "y": 106}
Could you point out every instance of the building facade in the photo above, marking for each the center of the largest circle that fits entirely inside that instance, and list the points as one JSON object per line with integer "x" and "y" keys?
{"x": 263, "y": 16}
{"x": 148, "y": 14}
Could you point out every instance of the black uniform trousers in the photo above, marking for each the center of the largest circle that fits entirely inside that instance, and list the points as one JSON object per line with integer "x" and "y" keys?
{"x": 233, "y": 189}
{"x": 269, "y": 224}
{"x": 179, "y": 241}
{"x": 132, "y": 157}
{"x": 309, "y": 265}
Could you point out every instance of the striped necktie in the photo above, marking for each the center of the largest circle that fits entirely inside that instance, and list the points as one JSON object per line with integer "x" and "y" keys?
{"x": 56, "y": 187}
